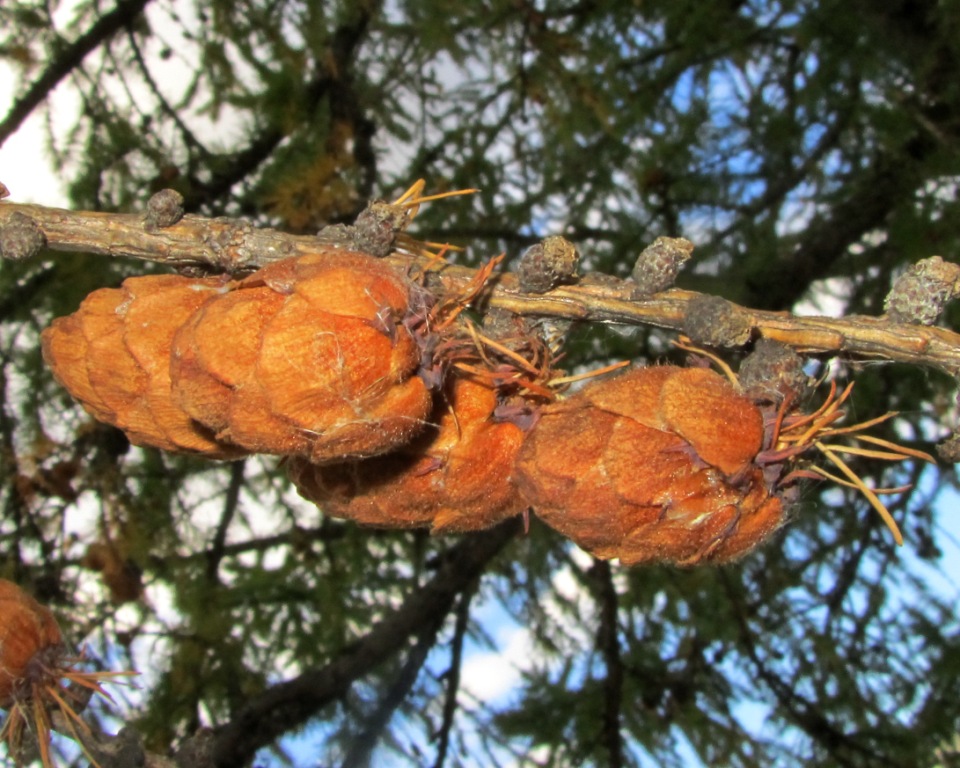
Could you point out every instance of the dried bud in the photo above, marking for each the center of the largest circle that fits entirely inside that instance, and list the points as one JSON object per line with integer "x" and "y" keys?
{"x": 920, "y": 294}
{"x": 949, "y": 449}
{"x": 715, "y": 322}
{"x": 307, "y": 357}
{"x": 659, "y": 264}
{"x": 377, "y": 227}
{"x": 549, "y": 263}
{"x": 455, "y": 477}
{"x": 773, "y": 372}
{"x": 20, "y": 238}
{"x": 509, "y": 329}
{"x": 113, "y": 355}
{"x": 654, "y": 465}
{"x": 164, "y": 209}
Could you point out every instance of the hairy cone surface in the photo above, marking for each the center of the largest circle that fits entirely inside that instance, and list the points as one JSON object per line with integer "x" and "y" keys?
{"x": 306, "y": 357}
{"x": 455, "y": 477}
{"x": 113, "y": 355}
{"x": 653, "y": 465}
{"x": 26, "y": 630}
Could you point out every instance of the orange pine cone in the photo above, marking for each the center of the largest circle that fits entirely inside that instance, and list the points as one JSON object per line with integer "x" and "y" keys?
{"x": 28, "y": 631}
{"x": 306, "y": 357}
{"x": 113, "y": 355}
{"x": 654, "y": 465}
{"x": 455, "y": 477}
{"x": 33, "y": 665}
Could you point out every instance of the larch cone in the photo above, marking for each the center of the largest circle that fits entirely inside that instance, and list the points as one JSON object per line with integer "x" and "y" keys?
{"x": 33, "y": 668}
{"x": 655, "y": 465}
{"x": 28, "y": 631}
{"x": 306, "y": 357}
{"x": 113, "y": 356}
{"x": 455, "y": 477}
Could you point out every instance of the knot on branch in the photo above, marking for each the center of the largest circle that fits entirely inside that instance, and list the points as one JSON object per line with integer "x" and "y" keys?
{"x": 551, "y": 262}
{"x": 714, "y": 322}
{"x": 949, "y": 449}
{"x": 21, "y": 238}
{"x": 164, "y": 209}
{"x": 374, "y": 231}
{"x": 125, "y": 750}
{"x": 921, "y": 293}
{"x": 773, "y": 373}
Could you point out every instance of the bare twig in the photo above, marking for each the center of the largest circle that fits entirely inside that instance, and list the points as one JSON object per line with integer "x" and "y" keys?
{"x": 66, "y": 61}
{"x": 236, "y": 246}
{"x": 452, "y": 677}
{"x": 608, "y": 643}
{"x": 290, "y": 704}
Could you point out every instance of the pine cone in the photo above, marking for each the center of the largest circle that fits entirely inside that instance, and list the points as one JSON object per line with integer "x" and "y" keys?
{"x": 455, "y": 477}
{"x": 27, "y": 631}
{"x": 33, "y": 667}
{"x": 306, "y": 357}
{"x": 654, "y": 465}
{"x": 113, "y": 355}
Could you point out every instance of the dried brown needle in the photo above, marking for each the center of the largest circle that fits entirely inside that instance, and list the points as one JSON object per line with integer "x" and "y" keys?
{"x": 795, "y": 434}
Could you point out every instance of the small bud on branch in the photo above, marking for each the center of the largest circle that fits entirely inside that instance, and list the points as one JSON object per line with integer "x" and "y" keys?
{"x": 659, "y": 264}
{"x": 921, "y": 293}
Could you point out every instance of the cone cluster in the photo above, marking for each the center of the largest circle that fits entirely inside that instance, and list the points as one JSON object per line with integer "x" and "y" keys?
{"x": 390, "y": 410}
{"x": 322, "y": 359}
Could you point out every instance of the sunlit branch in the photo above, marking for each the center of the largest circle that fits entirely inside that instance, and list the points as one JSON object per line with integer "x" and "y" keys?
{"x": 235, "y": 246}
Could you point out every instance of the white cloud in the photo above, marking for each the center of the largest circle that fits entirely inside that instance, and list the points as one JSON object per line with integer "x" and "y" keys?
{"x": 488, "y": 676}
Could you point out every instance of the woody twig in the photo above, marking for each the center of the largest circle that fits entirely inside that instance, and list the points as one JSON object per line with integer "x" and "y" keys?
{"x": 236, "y": 246}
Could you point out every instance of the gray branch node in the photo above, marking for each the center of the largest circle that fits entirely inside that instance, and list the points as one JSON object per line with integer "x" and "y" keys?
{"x": 773, "y": 372}
{"x": 949, "y": 449}
{"x": 164, "y": 209}
{"x": 715, "y": 322}
{"x": 551, "y": 262}
{"x": 659, "y": 264}
{"x": 921, "y": 293}
{"x": 21, "y": 238}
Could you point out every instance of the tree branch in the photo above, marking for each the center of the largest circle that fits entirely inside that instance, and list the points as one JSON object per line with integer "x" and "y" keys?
{"x": 287, "y": 706}
{"x": 234, "y": 246}
{"x": 366, "y": 740}
{"x": 452, "y": 677}
{"x": 608, "y": 643}
{"x": 346, "y": 39}
{"x": 842, "y": 745}
{"x": 216, "y": 551}
{"x": 66, "y": 60}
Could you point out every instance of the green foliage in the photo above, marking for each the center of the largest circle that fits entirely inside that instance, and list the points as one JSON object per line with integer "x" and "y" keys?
{"x": 805, "y": 147}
